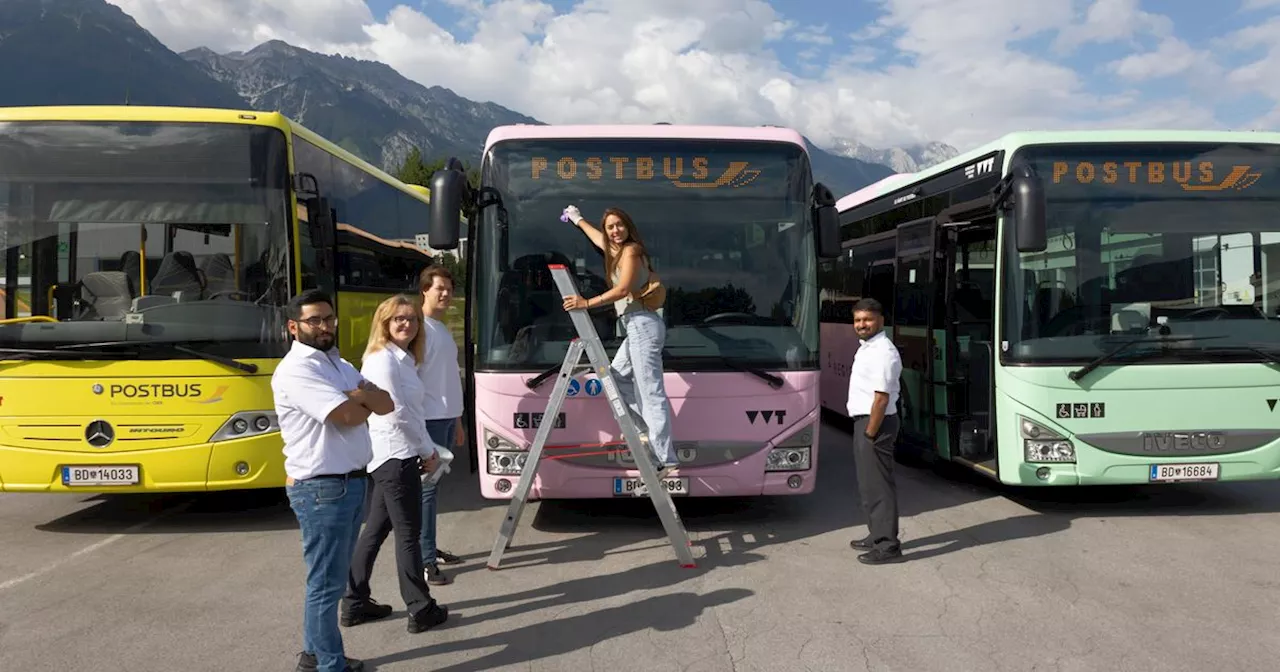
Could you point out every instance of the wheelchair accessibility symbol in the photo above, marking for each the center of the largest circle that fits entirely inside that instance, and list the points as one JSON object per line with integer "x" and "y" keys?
{"x": 594, "y": 387}
{"x": 574, "y": 387}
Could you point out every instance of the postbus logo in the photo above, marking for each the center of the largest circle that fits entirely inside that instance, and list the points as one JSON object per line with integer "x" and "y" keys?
{"x": 159, "y": 392}
{"x": 1188, "y": 175}
{"x": 693, "y": 172}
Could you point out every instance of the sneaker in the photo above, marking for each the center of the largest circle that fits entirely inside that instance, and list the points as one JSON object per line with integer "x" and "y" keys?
{"x": 307, "y": 663}
{"x": 447, "y": 558}
{"x": 434, "y": 576}
{"x": 428, "y": 618}
{"x": 363, "y": 613}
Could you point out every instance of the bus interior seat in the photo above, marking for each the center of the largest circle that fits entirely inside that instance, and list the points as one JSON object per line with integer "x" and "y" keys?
{"x": 131, "y": 265}
{"x": 178, "y": 277}
{"x": 219, "y": 273}
{"x": 109, "y": 292}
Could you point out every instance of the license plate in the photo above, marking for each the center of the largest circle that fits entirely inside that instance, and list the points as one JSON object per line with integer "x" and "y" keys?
{"x": 634, "y": 487}
{"x": 1205, "y": 471}
{"x": 114, "y": 474}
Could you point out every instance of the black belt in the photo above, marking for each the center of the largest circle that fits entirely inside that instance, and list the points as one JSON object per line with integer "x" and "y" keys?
{"x": 354, "y": 473}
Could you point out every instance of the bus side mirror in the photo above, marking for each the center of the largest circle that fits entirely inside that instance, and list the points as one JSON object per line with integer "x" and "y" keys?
{"x": 826, "y": 221}
{"x": 448, "y": 189}
{"x": 320, "y": 223}
{"x": 1027, "y": 194}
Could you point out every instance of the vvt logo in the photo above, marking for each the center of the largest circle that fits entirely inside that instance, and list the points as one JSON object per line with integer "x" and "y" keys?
{"x": 766, "y": 416}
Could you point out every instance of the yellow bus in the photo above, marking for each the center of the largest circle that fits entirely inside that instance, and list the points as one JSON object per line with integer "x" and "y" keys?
{"x": 147, "y": 253}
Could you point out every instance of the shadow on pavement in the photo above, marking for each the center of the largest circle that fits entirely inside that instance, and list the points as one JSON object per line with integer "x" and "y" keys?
{"x": 545, "y": 639}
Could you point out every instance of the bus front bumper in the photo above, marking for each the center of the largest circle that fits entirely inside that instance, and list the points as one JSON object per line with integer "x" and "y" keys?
{"x": 238, "y": 464}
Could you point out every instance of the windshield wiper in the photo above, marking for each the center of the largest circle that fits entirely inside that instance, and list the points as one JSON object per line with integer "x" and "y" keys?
{"x": 536, "y": 381}
{"x": 1084, "y": 370}
{"x": 35, "y": 353}
{"x": 774, "y": 381}
{"x": 210, "y": 357}
{"x": 1274, "y": 358}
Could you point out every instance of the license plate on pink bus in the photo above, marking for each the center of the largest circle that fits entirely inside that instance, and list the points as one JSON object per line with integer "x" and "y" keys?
{"x": 634, "y": 487}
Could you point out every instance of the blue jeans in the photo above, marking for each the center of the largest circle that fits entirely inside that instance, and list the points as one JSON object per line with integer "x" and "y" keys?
{"x": 637, "y": 368}
{"x": 329, "y": 512}
{"x": 442, "y": 433}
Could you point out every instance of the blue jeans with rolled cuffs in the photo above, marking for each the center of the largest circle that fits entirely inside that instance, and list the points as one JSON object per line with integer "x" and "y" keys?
{"x": 442, "y": 433}
{"x": 330, "y": 511}
{"x": 637, "y": 368}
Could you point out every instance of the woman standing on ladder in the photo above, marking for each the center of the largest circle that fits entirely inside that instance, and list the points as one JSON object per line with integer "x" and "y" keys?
{"x": 637, "y": 296}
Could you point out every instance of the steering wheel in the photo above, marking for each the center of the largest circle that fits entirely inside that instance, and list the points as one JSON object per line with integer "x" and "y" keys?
{"x": 232, "y": 293}
{"x": 724, "y": 316}
{"x": 1218, "y": 311}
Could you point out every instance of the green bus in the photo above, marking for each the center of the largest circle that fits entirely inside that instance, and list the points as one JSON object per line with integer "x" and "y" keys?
{"x": 1076, "y": 308}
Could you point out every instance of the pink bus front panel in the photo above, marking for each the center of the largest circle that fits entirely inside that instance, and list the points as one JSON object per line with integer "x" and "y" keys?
{"x": 726, "y": 429}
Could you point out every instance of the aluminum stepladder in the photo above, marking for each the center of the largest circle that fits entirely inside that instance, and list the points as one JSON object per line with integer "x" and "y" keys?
{"x": 588, "y": 343}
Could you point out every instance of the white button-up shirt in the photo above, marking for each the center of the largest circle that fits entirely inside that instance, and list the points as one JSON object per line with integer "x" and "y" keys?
{"x": 401, "y": 434}
{"x": 439, "y": 372}
{"x": 877, "y": 367}
{"x": 307, "y": 386}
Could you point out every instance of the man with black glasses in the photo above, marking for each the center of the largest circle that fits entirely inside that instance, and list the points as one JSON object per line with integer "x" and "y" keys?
{"x": 322, "y": 403}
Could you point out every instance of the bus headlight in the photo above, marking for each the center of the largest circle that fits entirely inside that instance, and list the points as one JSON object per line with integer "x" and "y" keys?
{"x": 788, "y": 459}
{"x": 1041, "y": 444}
{"x": 494, "y": 442}
{"x": 506, "y": 463}
{"x": 246, "y": 424}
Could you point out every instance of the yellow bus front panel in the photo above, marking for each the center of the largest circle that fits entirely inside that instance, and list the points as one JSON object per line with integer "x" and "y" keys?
{"x": 137, "y": 427}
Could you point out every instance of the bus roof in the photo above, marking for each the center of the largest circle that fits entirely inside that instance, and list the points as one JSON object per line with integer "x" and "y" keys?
{"x": 872, "y": 190}
{"x": 1012, "y": 141}
{"x": 643, "y": 131}
{"x": 162, "y": 114}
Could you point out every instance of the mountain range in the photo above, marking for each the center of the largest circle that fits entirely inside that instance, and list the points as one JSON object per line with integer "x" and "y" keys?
{"x": 76, "y": 52}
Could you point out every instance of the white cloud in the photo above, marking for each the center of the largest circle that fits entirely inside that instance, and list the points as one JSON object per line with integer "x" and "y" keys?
{"x": 962, "y": 72}
{"x": 1172, "y": 57}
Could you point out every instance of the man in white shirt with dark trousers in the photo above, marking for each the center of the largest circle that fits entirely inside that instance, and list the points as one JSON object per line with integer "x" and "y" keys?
{"x": 322, "y": 404}
{"x": 873, "y": 405}
{"x": 443, "y": 384}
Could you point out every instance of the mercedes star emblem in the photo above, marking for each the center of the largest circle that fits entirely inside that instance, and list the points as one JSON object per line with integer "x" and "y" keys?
{"x": 99, "y": 434}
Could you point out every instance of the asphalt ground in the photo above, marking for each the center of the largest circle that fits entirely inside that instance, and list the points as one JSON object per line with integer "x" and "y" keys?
{"x": 1160, "y": 578}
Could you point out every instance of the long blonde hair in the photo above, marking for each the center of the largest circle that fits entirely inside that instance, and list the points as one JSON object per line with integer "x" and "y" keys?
{"x": 633, "y": 236}
{"x": 380, "y": 330}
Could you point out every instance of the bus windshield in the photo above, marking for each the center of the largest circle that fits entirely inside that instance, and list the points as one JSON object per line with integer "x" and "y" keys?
{"x": 726, "y": 225}
{"x": 129, "y": 234}
{"x": 1172, "y": 251}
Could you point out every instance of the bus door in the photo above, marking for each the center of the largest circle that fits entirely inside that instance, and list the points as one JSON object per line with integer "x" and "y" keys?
{"x": 967, "y": 268}
{"x": 916, "y": 334}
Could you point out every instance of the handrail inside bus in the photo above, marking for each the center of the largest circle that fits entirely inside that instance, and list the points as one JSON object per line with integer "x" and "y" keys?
{"x": 32, "y": 318}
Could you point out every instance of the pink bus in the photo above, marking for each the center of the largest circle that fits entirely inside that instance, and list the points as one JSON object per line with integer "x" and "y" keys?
{"x": 839, "y": 291}
{"x": 735, "y": 225}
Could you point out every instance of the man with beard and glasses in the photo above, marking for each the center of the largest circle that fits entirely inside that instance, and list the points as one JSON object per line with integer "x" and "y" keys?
{"x": 322, "y": 403}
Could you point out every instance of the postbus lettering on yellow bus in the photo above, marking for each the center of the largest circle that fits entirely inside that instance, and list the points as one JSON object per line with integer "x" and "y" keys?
{"x": 194, "y": 392}
{"x": 1188, "y": 175}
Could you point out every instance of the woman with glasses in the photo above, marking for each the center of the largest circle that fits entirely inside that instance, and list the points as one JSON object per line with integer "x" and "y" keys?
{"x": 402, "y": 452}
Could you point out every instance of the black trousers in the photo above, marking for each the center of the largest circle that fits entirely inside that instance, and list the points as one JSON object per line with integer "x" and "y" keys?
{"x": 395, "y": 504}
{"x": 874, "y": 461}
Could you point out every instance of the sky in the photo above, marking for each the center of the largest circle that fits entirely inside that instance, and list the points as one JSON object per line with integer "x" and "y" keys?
{"x": 881, "y": 72}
